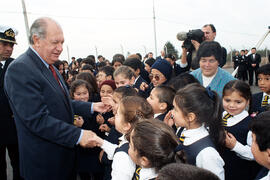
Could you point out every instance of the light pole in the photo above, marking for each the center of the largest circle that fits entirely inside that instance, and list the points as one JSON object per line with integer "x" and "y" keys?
{"x": 26, "y": 21}
{"x": 155, "y": 34}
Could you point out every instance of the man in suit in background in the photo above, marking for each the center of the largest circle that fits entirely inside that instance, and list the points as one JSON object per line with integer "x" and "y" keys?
{"x": 43, "y": 110}
{"x": 8, "y": 135}
{"x": 254, "y": 61}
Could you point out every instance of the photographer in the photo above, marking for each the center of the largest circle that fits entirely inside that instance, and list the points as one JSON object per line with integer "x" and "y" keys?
{"x": 189, "y": 60}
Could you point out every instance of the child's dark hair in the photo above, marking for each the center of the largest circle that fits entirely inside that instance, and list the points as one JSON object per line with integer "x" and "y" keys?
{"x": 207, "y": 107}
{"x": 180, "y": 171}
{"x": 265, "y": 70}
{"x": 108, "y": 70}
{"x": 182, "y": 80}
{"x": 210, "y": 48}
{"x": 118, "y": 58}
{"x": 241, "y": 87}
{"x": 125, "y": 71}
{"x": 166, "y": 95}
{"x": 77, "y": 83}
{"x": 260, "y": 126}
{"x": 133, "y": 63}
{"x": 101, "y": 64}
{"x": 126, "y": 91}
{"x": 90, "y": 79}
{"x": 157, "y": 142}
{"x": 89, "y": 61}
{"x": 134, "y": 108}
{"x": 88, "y": 67}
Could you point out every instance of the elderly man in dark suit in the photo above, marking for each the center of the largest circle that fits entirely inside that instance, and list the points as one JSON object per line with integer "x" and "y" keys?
{"x": 8, "y": 135}
{"x": 254, "y": 61}
{"x": 42, "y": 108}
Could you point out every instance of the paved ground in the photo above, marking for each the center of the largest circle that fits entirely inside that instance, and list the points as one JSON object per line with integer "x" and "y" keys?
{"x": 254, "y": 89}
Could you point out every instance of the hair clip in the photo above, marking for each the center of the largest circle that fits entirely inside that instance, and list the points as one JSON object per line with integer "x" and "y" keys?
{"x": 210, "y": 92}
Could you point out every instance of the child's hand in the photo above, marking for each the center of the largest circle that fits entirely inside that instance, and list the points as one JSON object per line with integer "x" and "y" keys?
{"x": 230, "y": 140}
{"x": 78, "y": 121}
{"x": 100, "y": 155}
{"x": 108, "y": 100}
{"x": 104, "y": 128}
{"x": 143, "y": 86}
{"x": 112, "y": 120}
{"x": 169, "y": 119}
{"x": 100, "y": 119}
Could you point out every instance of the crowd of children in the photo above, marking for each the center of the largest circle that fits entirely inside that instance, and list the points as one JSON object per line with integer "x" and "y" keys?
{"x": 163, "y": 127}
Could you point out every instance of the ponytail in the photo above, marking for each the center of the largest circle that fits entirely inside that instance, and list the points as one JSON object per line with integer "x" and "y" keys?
{"x": 207, "y": 107}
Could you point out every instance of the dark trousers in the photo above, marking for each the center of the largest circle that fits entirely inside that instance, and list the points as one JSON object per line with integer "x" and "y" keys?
{"x": 251, "y": 74}
{"x": 13, "y": 154}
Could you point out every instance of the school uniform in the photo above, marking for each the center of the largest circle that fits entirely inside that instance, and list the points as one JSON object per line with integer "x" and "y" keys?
{"x": 160, "y": 116}
{"x": 87, "y": 161}
{"x": 138, "y": 81}
{"x": 239, "y": 162}
{"x": 113, "y": 138}
{"x": 201, "y": 152}
{"x": 122, "y": 166}
{"x": 148, "y": 174}
{"x": 264, "y": 174}
{"x": 257, "y": 100}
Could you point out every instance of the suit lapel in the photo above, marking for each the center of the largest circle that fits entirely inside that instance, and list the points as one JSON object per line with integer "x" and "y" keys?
{"x": 49, "y": 76}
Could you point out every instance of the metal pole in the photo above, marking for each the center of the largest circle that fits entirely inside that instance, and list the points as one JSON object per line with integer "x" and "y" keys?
{"x": 68, "y": 53}
{"x": 26, "y": 21}
{"x": 96, "y": 51}
{"x": 144, "y": 49}
{"x": 155, "y": 34}
{"x": 122, "y": 49}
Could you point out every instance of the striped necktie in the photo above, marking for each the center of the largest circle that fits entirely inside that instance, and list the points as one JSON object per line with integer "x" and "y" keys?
{"x": 225, "y": 119}
{"x": 265, "y": 100}
{"x": 137, "y": 172}
{"x": 182, "y": 138}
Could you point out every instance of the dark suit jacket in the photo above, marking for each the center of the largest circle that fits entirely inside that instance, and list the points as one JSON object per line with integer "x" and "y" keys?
{"x": 256, "y": 105}
{"x": 139, "y": 81}
{"x": 44, "y": 119}
{"x": 8, "y": 134}
{"x": 256, "y": 61}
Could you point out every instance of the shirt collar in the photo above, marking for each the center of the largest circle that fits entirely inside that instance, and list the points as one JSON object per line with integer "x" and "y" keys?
{"x": 235, "y": 119}
{"x": 3, "y": 62}
{"x": 44, "y": 62}
{"x": 193, "y": 135}
{"x": 147, "y": 173}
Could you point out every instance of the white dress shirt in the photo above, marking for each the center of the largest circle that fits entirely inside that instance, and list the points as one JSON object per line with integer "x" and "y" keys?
{"x": 123, "y": 167}
{"x": 267, "y": 177}
{"x": 147, "y": 173}
{"x": 208, "y": 158}
{"x": 243, "y": 151}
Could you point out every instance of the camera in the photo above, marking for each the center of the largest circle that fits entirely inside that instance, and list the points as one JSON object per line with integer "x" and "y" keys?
{"x": 195, "y": 34}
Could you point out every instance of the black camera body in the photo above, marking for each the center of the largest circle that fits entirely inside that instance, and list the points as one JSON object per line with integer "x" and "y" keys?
{"x": 195, "y": 34}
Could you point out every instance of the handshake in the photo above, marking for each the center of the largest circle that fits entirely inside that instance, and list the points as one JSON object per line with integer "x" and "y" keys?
{"x": 89, "y": 139}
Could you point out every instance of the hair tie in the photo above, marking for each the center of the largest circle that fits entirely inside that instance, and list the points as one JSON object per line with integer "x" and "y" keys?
{"x": 210, "y": 93}
{"x": 179, "y": 148}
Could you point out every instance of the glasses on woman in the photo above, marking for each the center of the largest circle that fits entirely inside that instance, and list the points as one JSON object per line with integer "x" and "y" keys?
{"x": 154, "y": 76}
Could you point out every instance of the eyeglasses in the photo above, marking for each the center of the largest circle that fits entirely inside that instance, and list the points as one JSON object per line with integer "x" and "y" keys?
{"x": 155, "y": 76}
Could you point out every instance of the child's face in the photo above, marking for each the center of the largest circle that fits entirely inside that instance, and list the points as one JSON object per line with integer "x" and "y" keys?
{"x": 157, "y": 77}
{"x": 106, "y": 91}
{"x": 101, "y": 76}
{"x": 262, "y": 157}
{"x": 154, "y": 101}
{"x": 81, "y": 94}
{"x": 178, "y": 116}
{"x": 116, "y": 65}
{"x": 147, "y": 67}
{"x": 116, "y": 100}
{"x": 264, "y": 83}
{"x": 233, "y": 103}
{"x": 120, "y": 124}
{"x": 132, "y": 151}
{"x": 121, "y": 80}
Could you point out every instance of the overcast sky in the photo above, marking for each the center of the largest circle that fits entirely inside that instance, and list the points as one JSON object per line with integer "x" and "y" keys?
{"x": 110, "y": 25}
